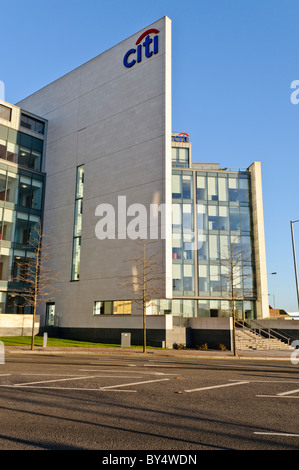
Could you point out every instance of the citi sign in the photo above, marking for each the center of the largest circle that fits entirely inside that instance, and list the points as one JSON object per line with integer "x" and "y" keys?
{"x": 149, "y": 47}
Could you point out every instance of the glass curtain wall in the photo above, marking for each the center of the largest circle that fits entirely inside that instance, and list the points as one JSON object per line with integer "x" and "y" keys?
{"x": 21, "y": 201}
{"x": 219, "y": 213}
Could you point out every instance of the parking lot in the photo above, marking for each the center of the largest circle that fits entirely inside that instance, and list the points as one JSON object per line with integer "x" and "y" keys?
{"x": 97, "y": 402}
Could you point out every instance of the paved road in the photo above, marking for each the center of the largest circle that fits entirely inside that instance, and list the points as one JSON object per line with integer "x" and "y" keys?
{"x": 105, "y": 402}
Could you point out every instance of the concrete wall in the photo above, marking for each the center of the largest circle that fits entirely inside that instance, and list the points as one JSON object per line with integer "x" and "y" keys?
{"x": 262, "y": 303}
{"x": 117, "y": 122}
{"x": 213, "y": 331}
{"x": 288, "y": 328}
{"x": 18, "y": 325}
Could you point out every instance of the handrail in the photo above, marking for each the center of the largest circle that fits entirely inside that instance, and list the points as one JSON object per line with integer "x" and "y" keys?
{"x": 288, "y": 338}
{"x": 254, "y": 330}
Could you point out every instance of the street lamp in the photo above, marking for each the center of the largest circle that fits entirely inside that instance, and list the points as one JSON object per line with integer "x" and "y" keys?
{"x": 295, "y": 262}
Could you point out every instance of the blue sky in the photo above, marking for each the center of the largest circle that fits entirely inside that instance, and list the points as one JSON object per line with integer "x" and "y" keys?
{"x": 233, "y": 64}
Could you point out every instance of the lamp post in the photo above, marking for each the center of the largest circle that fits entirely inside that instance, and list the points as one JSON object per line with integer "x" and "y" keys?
{"x": 295, "y": 262}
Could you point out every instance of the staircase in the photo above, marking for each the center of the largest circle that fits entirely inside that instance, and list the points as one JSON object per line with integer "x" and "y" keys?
{"x": 247, "y": 339}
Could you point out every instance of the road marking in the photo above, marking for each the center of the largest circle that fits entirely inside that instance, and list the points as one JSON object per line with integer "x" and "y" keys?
{"x": 277, "y": 434}
{"x": 275, "y": 396}
{"x": 56, "y": 380}
{"x": 3, "y": 375}
{"x": 134, "y": 383}
{"x": 288, "y": 393}
{"x": 217, "y": 386}
{"x": 67, "y": 388}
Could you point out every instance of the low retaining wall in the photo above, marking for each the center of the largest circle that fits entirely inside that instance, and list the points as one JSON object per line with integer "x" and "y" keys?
{"x": 288, "y": 328}
{"x": 17, "y": 325}
{"x": 213, "y": 331}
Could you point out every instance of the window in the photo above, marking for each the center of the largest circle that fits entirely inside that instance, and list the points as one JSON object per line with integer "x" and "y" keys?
{"x": 180, "y": 157}
{"x": 77, "y": 224}
{"x": 110, "y": 307}
{"x": 32, "y": 124}
{"x": 5, "y": 112}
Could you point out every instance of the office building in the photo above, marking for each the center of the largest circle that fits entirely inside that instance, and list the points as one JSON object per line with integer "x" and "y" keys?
{"x": 106, "y": 148}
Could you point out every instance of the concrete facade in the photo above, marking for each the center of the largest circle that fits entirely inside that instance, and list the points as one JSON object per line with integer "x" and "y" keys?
{"x": 115, "y": 121}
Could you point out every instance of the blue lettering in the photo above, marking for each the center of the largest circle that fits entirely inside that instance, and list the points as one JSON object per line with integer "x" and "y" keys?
{"x": 139, "y": 53}
{"x": 126, "y": 63}
{"x": 146, "y": 45}
{"x": 129, "y": 62}
{"x": 156, "y": 44}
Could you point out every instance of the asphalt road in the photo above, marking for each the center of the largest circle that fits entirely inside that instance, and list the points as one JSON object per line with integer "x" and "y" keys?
{"x": 152, "y": 403}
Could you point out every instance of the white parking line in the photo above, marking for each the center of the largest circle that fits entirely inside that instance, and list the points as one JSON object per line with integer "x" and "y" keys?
{"x": 135, "y": 383}
{"x": 288, "y": 393}
{"x": 277, "y": 434}
{"x": 217, "y": 386}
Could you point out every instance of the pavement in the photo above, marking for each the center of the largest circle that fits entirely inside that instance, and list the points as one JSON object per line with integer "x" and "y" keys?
{"x": 282, "y": 355}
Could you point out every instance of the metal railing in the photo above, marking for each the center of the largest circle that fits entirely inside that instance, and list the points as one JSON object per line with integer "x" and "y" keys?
{"x": 270, "y": 333}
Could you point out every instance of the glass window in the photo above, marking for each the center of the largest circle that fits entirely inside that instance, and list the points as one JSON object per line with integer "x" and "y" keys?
{"x": 244, "y": 190}
{"x": 32, "y": 124}
{"x": 187, "y": 216}
{"x": 5, "y": 112}
{"x": 187, "y": 186}
{"x": 24, "y": 156}
{"x": 176, "y": 246}
{"x": 223, "y": 218}
{"x": 25, "y": 197}
{"x": 201, "y": 188}
{"x": 233, "y": 189}
{"x": 188, "y": 245}
{"x": 8, "y": 224}
{"x": 224, "y": 247}
{"x": 202, "y": 217}
{"x": 203, "y": 279}
{"x": 212, "y": 189}
{"x": 214, "y": 247}
{"x": 12, "y": 152}
{"x": 76, "y": 259}
{"x": 3, "y": 147}
{"x": 77, "y": 223}
{"x": 177, "y": 276}
{"x": 234, "y": 218}
{"x": 122, "y": 307}
{"x": 12, "y": 188}
{"x": 176, "y": 186}
{"x": 2, "y": 185}
{"x": 213, "y": 217}
{"x": 222, "y": 189}
{"x": 37, "y": 191}
{"x": 203, "y": 246}
{"x": 176, "y": 216}
{"x": 245, "y": 219}
{"x": 203, "y": 308}
{"x": 188, "y": 277}
{"x": 215, "y": 284}
{"x": 78, "y": 218}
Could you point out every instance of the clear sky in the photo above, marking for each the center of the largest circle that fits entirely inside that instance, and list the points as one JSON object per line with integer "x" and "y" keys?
{"x": 233, "y": 65}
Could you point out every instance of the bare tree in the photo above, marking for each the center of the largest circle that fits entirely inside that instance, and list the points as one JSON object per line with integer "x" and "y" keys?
{"x": 144, "y": 283}
{"x": 232, "y": 262}
{"x": 34, "y": 275}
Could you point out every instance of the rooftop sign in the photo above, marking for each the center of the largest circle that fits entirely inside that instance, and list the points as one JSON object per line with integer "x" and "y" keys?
{"x": 150, "y": 45}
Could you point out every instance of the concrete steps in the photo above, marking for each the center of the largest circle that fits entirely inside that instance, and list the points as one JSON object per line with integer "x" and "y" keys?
{"x": 248, "y": 340}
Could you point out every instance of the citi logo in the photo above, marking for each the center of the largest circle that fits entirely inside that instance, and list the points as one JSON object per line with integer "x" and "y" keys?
{"x": 182, "y": 137}
{"x": 149, "y": 47}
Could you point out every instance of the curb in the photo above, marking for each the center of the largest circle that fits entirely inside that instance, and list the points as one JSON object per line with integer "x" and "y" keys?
{"x": 191, "y": 355}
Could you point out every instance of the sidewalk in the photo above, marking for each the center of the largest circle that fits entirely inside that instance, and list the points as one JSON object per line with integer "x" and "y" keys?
{"x": 178, "y": 353}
